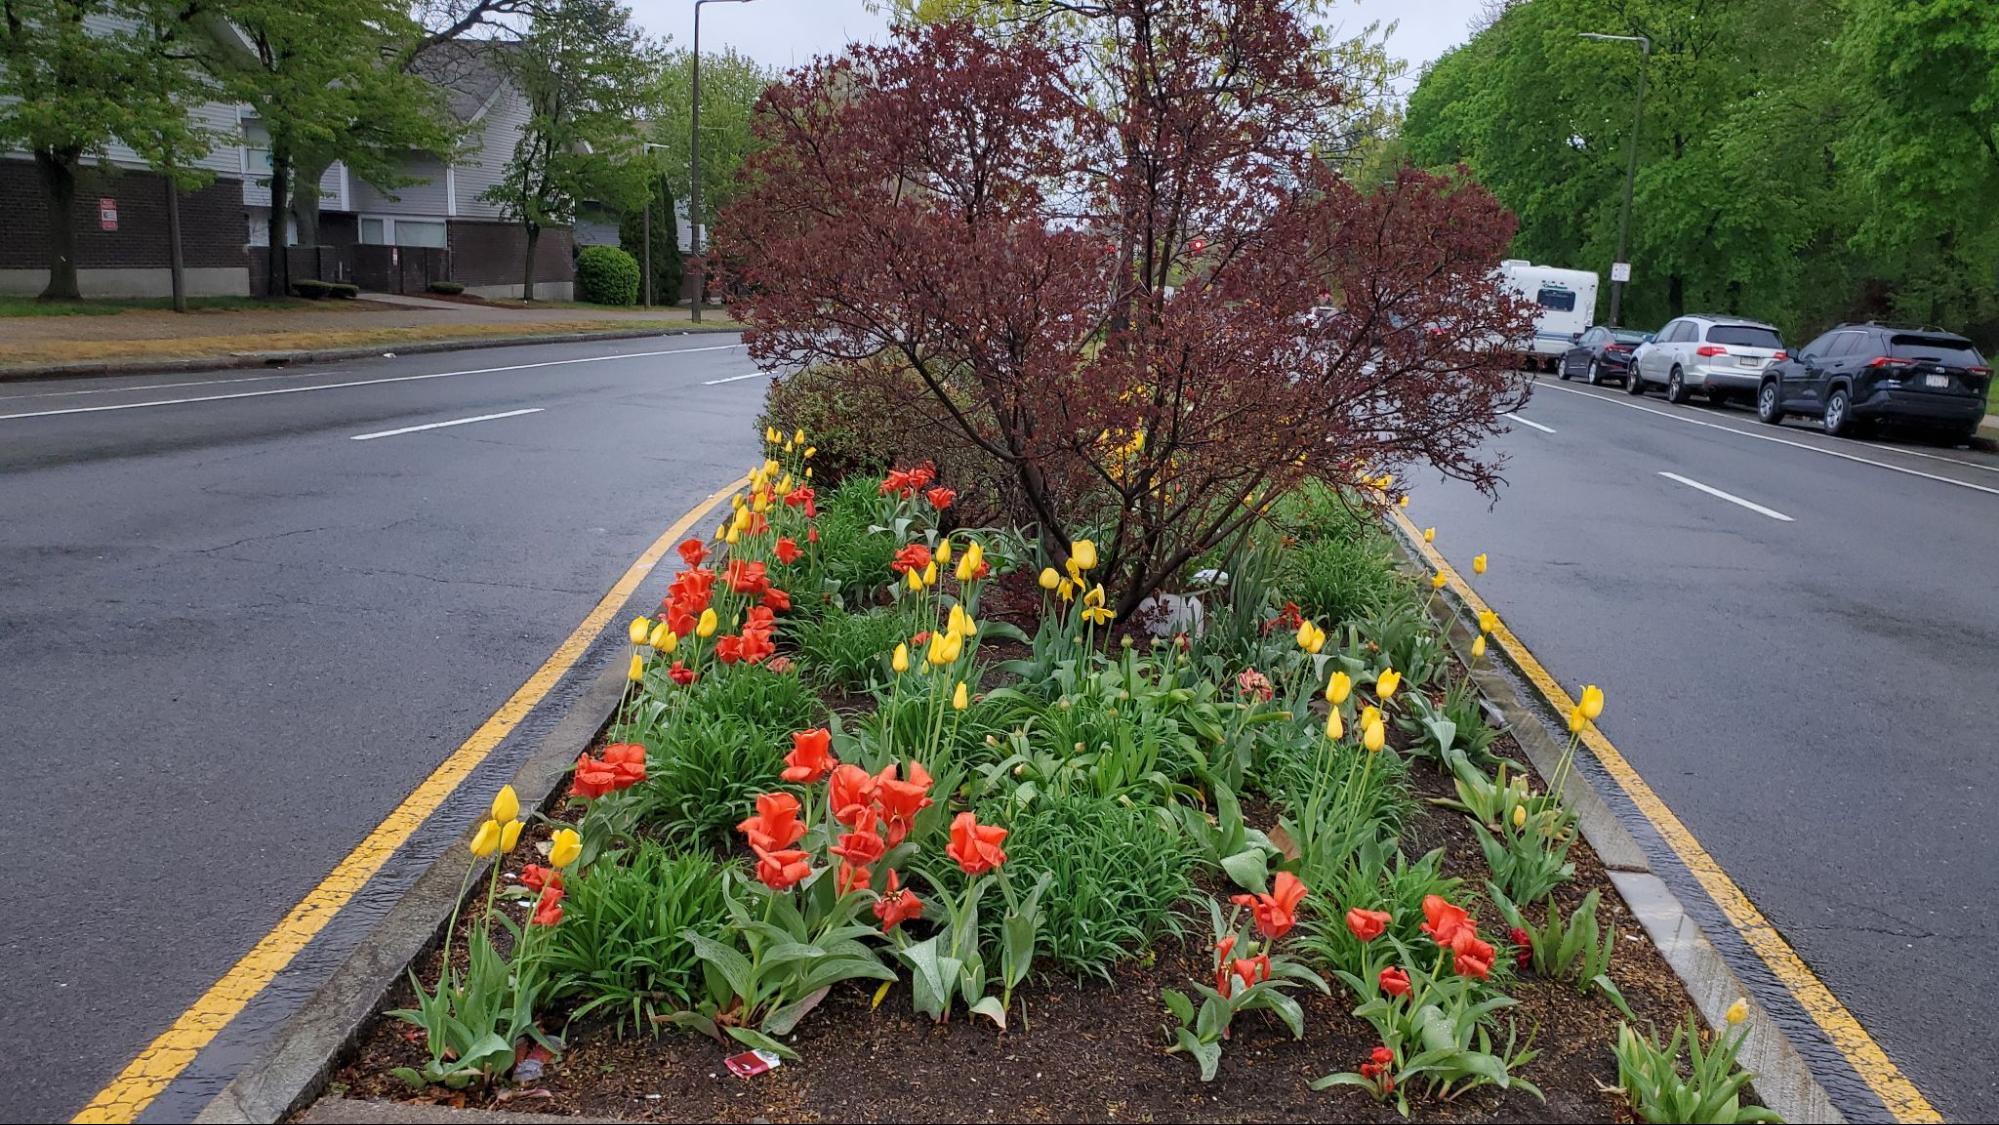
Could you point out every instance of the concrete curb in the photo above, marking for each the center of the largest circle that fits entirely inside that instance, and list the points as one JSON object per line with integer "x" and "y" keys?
{"x": 293, "y": 1070}
{"x": 1784, "y": 1081}
{"x": 238, "y": 360}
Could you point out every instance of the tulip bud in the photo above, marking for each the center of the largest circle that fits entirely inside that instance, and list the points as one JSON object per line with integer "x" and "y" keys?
{"x": 506, "y": 804}
{"x": 1335, "y": 727}
{"x": 930, "y": 573}
{"x": 1487, "y": 621}
{"x": 1402, "y": 501}
{"x": 943, "y": 551}
{"x": 510, "y": 834}
{"x": 1084, "y": 552}
{"x": 1577, "y": 720}
{"x": 487, "y": 839}
{"x": 665, "y": 640}
{"x": 915, "y": 580}
{"x": 1520, "y": 816}
{"x": 705, "y": 627}
{"x": 1338, "y": 688}
{"x": 1478, "y": 564}
{"x": 1478, "y": 647}
{"x": 900, "y": 661}
{"x": 659, "y": 634}
{"x": 798, "y": 437}
{"x": 1437, "y": 581}
{"x": 1386, "y": 683}
{"x": 564, "y": 847}
{"x": 1049, "y": 579}
{"x": 1374, "y": 737}
{"x": 639, "y": 630}
{"x": 637, "y": 671}
{"x": 811, "y": 451}
{"x": 1592, "y": 702}
{"x": 1429, "y": 535}
{"x": 961, "y": 698}
{"x": 1738, "y": 1011}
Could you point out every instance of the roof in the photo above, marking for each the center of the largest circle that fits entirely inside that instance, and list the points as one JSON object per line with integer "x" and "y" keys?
{"x": 469, "y": 71}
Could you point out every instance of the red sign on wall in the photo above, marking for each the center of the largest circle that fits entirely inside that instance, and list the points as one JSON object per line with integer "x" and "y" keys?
{"x": 107, "y": 213}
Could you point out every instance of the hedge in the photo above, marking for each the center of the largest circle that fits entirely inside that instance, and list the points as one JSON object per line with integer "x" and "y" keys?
{"x": 606, "y": 275}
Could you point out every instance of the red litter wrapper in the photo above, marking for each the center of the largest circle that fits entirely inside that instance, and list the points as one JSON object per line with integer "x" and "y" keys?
{"x": 749, "y": 1064}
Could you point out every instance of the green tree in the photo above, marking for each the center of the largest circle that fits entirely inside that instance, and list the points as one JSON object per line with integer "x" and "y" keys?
{"x": 731, "y": 83}
{"x": 666, "y": 248}
{"x": 586, "y": 73}
{"x": 67, "y": 91}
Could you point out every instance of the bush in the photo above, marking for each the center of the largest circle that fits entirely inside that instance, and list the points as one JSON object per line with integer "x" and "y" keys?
{"x": 313, "y": 288}
{"x": 606, "y": 275}
{"x": 620, "y": 947}
{"x": 1119, "y": 871}
{"x": 346, "y": 290}
{"x": 448, "y": 288}
{"x": 1339, "y": 579}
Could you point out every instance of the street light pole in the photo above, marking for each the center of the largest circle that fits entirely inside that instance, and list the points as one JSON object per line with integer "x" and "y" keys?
{"x": 694, "y": 183}
{"x": 1630, "y": 167}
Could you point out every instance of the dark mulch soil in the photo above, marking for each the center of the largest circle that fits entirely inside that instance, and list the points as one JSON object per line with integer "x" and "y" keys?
{"x": 1085, "y": 1052}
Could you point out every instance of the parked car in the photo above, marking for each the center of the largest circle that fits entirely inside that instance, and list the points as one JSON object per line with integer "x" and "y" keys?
{"x": 1858, "y": 374}
{"x": 1720, "y": 356}
{"x": 1567, "y": 304}
{"x": 1602, "y": 354}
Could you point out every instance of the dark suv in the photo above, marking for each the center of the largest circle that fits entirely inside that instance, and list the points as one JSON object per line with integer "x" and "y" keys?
{"x": 1857, "y": 374}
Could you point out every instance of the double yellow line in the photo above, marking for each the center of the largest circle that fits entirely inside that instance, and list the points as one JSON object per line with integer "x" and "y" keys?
{"x": 1897, "y": 1093}
{"x": 148, "y": 1075}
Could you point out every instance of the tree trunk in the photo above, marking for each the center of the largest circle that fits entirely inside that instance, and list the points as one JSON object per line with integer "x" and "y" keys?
{"x": 57, "y": 168}
{"x": 305, "y": 177}
{"x": 279, "y": 283}
{"x": 527, "y": 268}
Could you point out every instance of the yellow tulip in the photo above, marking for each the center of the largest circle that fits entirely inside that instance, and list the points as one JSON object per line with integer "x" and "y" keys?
{"x": 915, "y": 578}
{"x": 721, "y": 529}
{"x": 638, "y": 630}
{"x": 1338, "y": 688}
{"x": 798, "y": 437}
{"x": 1577, "y": 720}
{"x": 1520, "y": 816}
{"x": 1738, "y": 1011}
{"x": 900, "y": 661}
{"x": 705, "y": 627}
{"x": 487, "y": 840}
{"x": 770, "y": 467}
{"x": 1049, "y": 579}
{"x": 1335, "y": 728}
{"x": 1085, "y": 554}
{"x": 955, "y": 621}
{"x": 1374, "y": 737}
{"x": 737, "y": 501}
{"x": 664, "y": 641}
{"x": 1487, "y": 621}
{"x": 943, "y": 555}
{"x": 1402, "y": 501}
{"x": 961, "y": 698}
{"x": 1101, "y": 615}
{"x": 808, "y": 474}
{"x": 761, "y": 503}
{"x": 659, "y": 634}
{"x": 564, "y": 847}
{"x": 1370, "y": 715}
{"x": 1437, "y": 581}
{"x": 1478, "y": 647}
{"x": 770, "y": 434}
{"x": 935, "y": 654}
{"x": 930, "y": 573}
{"x": 784, "y": 486}
{"x": 1592, "y": 702}
{"x": 811, "y": 451}
{"x": 506, "y": 804}
{"x": 1066, "y": 590}
{"x": 954, "y": 647}
{"x": 510, "y": 834}
{"x": 733, "y": 535}
{"x": 637, "y": 671}
{"x": 968, "y": 627}
{"x": 1386, "y": 683}
{"x": 1095, "y": 598}
{"x": 787, "y": 446}
{"x": 1478, "y": 564}
{"x": 1429, "y": 535}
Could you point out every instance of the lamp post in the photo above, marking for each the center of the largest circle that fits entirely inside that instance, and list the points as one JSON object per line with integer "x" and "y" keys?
{"x": 651, "y": 178}
{"x": 1630, "y": 167}
{"x": 694, "y": 183}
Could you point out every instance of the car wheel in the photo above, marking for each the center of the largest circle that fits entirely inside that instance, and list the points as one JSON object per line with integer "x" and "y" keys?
{"x": 1634, "y": 383}
{"x": 1839, "y": 413}
{"x": 1676, "y": 387}
{"x": 1595, "y": 376}
{"x": 1769, "y": 407}
{"x": 1563, "y": 364}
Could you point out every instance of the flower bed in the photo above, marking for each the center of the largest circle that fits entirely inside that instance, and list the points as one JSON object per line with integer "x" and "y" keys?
{"x": 901, "y": 807}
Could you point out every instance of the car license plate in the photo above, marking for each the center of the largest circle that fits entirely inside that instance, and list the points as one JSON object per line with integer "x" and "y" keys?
{"x": 1936, "y": 380}
{"x": 1749, "y": 360}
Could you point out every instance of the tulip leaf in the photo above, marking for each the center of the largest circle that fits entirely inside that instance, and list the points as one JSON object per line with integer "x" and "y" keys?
{"x": 735, "y": 968}
{"x": 1248, "y": 869}
{"x": 1343, "y": 1078}
{"x": 757, "y": 1040}
{"x": 781, "y": 1021}
{"x": 1178, "y": 1004}
{"x": 990, "y": 1008}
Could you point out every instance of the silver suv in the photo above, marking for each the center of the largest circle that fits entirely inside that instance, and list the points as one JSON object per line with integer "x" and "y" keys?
{"x": 1720, "y": 356}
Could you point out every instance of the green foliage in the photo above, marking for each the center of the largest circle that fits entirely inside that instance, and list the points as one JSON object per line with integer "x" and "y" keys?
{"x": 666, "y": 251}
{"x": 606, "y": 275}
{"x": 621, "y": 947}
{"x": 1576, "y": 948}
{"x": 448, "y": 288}
{"x": 1374, "y": 877}
{"x": 850, "y": 651}
{"x": 731, "y": 83}
{"x": 1118, "y": 870}
{"x": 312, "y": 289}
{"x": 1648, "y": 1072}
{"x": 1528, "y": 855}
{"x": 1201, "y": 1033}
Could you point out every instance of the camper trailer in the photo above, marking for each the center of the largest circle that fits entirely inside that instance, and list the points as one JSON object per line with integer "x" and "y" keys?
{"x": 1567, "y": 300}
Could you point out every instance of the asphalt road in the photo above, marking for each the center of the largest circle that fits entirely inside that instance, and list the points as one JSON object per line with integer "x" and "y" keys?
{"x": 233, "y": 637}
{"x": 1812, "y": 694}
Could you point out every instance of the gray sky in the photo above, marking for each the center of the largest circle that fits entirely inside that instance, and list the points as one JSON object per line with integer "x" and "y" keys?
{"x": 783, "y": 32}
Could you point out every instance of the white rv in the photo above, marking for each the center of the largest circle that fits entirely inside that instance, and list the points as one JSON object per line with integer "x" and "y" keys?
{"x": 1568, "y": 305}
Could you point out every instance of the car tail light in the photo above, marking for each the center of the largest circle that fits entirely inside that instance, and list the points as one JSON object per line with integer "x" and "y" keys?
{"x": 1979, "y": 370}
{"x": 1781, "y": 356}
{"x": 1887, "y": 361}
{"x": 1618, "y": 348}
{"x": 1710, "y": 349}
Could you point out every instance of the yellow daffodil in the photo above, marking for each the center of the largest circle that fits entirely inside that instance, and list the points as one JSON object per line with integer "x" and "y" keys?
{"x": 1478, "y": 564}
{"x": 1577, "y": 720}
{"x": 1338, "y": 688}
{"x": 1478, "y": 646}
{"x": 506, "y": 804}
{"x": 962, "y": 698}
{"x": 1738, "y": 1011}
{"x": 564, "y": 847}
{"x": 1049, "y": 579}
{"x": 1085, "y": 554}
{"x": 943, "y": 555}
{"x": 1520, "y": 816}
{"x": 915, "y": 577}
{"x": 1487, "y": 621}
{"x": 1374, "y": 737}
{"x": 705, "y": 627}
{"x": 637, "y": 671}
{"x": 900, "y": 661}
{"x": 640, "y": 628}
{"x": 1437, "y": 581}
{"x": 1386, "y": 683}
{"x": 510, "y": 834}
{"x": 1429, "y": 535}
{"x": 1592, "y": 702}
{"x": 1335, "y": 728}
{"x": 487, "y": 840}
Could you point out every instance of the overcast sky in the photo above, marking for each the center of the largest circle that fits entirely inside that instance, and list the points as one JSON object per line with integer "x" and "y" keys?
{"x": 783, "y": 32}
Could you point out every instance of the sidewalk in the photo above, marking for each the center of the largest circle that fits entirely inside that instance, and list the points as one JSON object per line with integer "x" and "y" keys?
{"x": 148, "y": 339}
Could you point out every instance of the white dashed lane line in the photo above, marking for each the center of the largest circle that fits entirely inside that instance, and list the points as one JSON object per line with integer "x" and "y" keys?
{"x": 442, "y": 425}
{"x": 1728, "y": 496}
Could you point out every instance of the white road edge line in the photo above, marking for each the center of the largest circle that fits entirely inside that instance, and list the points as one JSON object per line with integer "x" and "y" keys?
{"x": 357, "y": 383}
{"x": 1730, "y": 497}
{"x": 1532, "y": 422}
{"x": 441, "y": 425}
{"x": 1781, "y": 441}
{"x": 735, "y": 378}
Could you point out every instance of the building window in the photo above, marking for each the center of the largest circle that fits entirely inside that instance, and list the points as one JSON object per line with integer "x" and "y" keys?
{"x": 402, "y": 232}
{"x": 375, "y": 232}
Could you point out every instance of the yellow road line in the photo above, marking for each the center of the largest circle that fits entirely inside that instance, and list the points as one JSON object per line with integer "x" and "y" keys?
{"x": 146, "y": 1076}
{"x": 1897, "y": 1093}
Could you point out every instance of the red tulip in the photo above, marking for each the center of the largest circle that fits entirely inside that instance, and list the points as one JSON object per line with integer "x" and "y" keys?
{"x": 692, "y": 552}
{"x": 535, "y": 877}
{"x": 628, "y": 760}
{"x": 1394, "y": 981}
{"x": 900, "y": 801}
{"x": 747, "y": 577}
{"x": 1443, "y": 921}
{"x": 940, "y": 497}
{"x": 976, "y": 847}
{"x": 787, "y": 551}
{"x": 1367, "y": 924}
{"x": 915, "y": 557}
{"x": 682, "y": 674}
{"x": 782, "y": 869}
{"x": 852, "y": 877}
{"x": 1223, "y": 948}
{"x": 897, "y": 905}
{"x": 851, "y": 793}
{"x": 593, "y": 778}
{"x": 811, "y": 756}
{"x": 1523, "y": 946}
{"x": 1277, "y": 911}
{"x": 860, "y": 847}
{"x": 776, "y": 599}
{"x": 548, "y": 911}
{"x": 728, "y": 650}
{"x": 775, "y": 825}
{"x": 1470, "y": 956}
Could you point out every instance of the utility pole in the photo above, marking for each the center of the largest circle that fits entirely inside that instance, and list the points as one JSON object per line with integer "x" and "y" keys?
{"x": 1620, "y": 270}
{"x": 694, "y": 183}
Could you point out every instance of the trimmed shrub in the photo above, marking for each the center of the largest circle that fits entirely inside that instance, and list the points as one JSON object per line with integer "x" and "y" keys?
{"x": 606, "y": 275}
{"x": 448, "y": 288}
{"x": 313, "y": 288}
{"x": 345, "y": 290}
